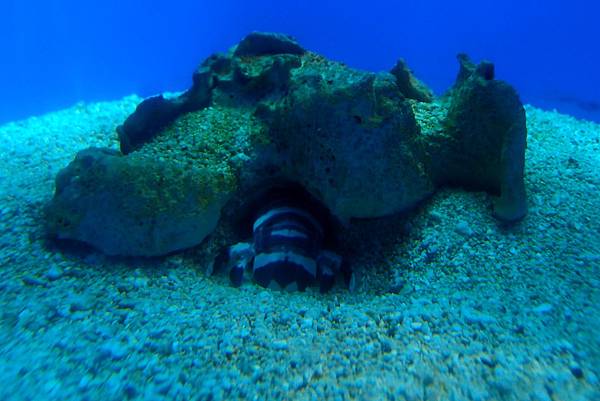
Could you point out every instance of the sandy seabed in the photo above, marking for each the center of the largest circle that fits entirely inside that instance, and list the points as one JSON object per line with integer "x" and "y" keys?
{"x": 450, "y": 306}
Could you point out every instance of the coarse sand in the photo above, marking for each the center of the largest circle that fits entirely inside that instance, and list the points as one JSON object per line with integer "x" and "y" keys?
{"x": 451, "y": 305}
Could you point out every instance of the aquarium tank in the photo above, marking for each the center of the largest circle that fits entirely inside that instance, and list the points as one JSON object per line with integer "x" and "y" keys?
{"x": 317, "y": 200}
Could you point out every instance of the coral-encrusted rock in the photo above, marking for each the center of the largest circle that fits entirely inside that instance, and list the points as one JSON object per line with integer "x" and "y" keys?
{"x": 156, "y": 112}
{"x": 349, "y": 138}
{"x": 133, "y": 205}
{"x": 267, "y": 43}
{"x": 409, "y": 85}
{"x": 268, "y": 113}
{"x": 256, "y": 78}
{"x": 152, "y": 115}
{"x": 486, "y": 122}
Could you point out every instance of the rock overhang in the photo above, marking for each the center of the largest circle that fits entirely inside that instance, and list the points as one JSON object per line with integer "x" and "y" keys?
{"x": 360, "y": 143}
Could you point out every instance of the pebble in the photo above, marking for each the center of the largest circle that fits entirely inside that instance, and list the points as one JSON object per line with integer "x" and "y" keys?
{"x": 26, "y": 318}
{"x": 435, "y": 217}
{"x": 126, "y": 303}
{"x": 540, "y": 393}
{"x": 140, "y": 282}
{"x": 472, "y": 316}
{"x": 488, "y": 361}
{"x": 80, "y": 303}
{"x": 416, "y": 326}
{"x": 130, "y": 390}
{"x": 113, "y": 350}
{"x": 161, "y": 378}
{"x": 386, "y": 345}
{"x": 218, "y": 308}
{"x": 463, "y": 228}
{"x": 54, "y": 273}
{"x": 505, "y": 380}
{"x": 556, "y": 200}
{"x": 307, "y": 323}
{"x": 163, "y": 389}
{"x": 33, "y": 281}
{"x": 84, "y": 383}
{"x": 543, "y": 308}
{"x": 157, "y": 333}
{"x": 519, "y": 329}
{"x": 79, "y": 315}
{"x": 279, "y": 345}
{"x": 576, "y": 371}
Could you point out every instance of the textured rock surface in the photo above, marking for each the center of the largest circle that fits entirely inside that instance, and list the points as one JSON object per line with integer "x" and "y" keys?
{"x": 133, "y": 205}
{"x": 267, "y": 43}
{"x": 348, "y": 137}
{"x": 99, "y": 329}
{"x": 487, "y": 123}
{"x": 409, "y": 85}
{"x": 152, "y": 115}
{"x": 364, "y": 145}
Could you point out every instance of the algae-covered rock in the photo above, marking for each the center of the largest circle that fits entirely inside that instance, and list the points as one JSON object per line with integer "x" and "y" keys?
{"x": 349, "y": 138}
{"x": 409, "y": 85}
{"x": 150, "y": 117}
{"x": 486, "y": 126}
{"x": 267, "y": 43}
{"x": 270, "y": 114}
{"x": 155, "y": 113}
{"x": 134, "y": 205}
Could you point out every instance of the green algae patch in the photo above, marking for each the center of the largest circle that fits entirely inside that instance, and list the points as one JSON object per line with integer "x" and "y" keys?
{"x": 213, "y": 139}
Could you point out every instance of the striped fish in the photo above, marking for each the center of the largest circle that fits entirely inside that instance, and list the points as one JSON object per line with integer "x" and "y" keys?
{"x": 285, "y": 252}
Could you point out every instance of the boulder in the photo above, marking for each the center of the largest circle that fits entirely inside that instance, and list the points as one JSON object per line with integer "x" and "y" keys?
{"x": 349, "y": 138}
{"x": 267, "y": 44}
{"x": 155, "y": 113}
{"x": 270, "y": 114}
{"x": 150, "y": 117}
{"x": 409, "y": 85}
{"x": 486, "y": 139}
{"x": 134, "y": 206}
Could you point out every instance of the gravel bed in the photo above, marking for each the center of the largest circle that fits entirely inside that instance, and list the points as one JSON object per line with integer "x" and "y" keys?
{"x": 450, "y": 304}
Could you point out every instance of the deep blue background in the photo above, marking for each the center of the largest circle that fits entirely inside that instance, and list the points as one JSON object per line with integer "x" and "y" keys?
{"x": 55, "y": 53}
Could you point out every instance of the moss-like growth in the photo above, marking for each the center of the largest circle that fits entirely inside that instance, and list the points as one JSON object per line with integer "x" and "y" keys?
{"x": 363, "y": 144}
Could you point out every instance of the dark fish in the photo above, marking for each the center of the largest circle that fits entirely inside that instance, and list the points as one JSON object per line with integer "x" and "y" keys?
{"x": 286, "y": 252}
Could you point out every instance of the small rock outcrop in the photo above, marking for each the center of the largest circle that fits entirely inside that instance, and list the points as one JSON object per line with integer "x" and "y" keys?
{"x": 269, "y": 112}
{"x": 487, "y": 123}
{"x": 267, "y": 44}
{"x": 134, "y": 206}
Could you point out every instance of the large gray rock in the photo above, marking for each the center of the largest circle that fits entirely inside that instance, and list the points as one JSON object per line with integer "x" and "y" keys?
{"x": 270, "y": 114}
{"x": 486, "y": 122}
{"x": 132, "y": 205}
{"x": 409, "y": 85}
{"x": 266, "y": 44}
{"x": 349, "y": 138}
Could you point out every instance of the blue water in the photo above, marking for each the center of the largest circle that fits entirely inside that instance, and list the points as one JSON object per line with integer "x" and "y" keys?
{"x": 55, "y": 53}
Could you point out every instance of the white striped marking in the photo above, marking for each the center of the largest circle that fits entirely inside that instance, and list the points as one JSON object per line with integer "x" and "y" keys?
{"x": 280, "y": 210}
{"x": 288, "y": 233}
{"x": 264, "y": 259}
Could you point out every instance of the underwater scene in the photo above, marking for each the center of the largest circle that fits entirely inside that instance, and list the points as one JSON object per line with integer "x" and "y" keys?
{"x": 300, "y": 200}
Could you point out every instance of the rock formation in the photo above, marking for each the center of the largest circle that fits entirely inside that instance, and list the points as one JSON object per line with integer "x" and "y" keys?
{"x": 269, "y": 113}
